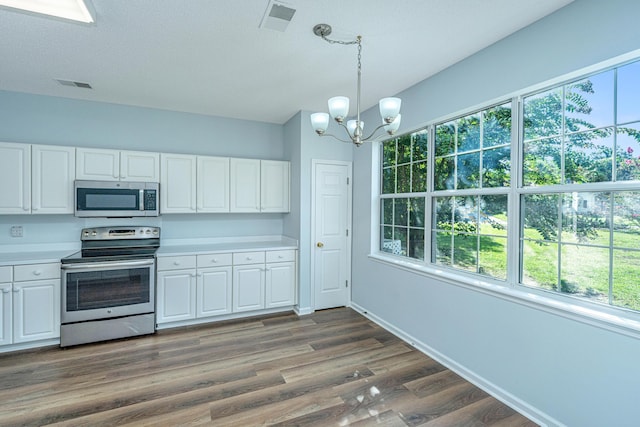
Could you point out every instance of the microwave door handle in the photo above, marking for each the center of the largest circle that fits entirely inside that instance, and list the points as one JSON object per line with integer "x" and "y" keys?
{"x": 141, "y": 200}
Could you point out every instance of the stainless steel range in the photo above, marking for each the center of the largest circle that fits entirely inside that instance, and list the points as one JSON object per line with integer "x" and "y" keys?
{"x": 108, "y": 288}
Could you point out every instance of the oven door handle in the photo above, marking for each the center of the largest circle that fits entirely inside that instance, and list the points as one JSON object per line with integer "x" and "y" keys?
{"x": 102, "y": 265}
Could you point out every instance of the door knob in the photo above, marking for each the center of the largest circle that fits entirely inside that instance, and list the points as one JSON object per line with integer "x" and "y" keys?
{"x": 319, "y": 244}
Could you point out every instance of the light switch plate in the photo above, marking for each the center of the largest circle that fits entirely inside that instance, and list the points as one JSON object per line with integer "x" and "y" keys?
{"x": 16, "y": 231}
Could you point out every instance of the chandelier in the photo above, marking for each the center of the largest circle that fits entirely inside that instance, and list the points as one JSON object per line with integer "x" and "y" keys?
{"x": 339, "y": 105}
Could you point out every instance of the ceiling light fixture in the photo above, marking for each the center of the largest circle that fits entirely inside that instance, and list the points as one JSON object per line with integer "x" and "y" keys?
{"x": 76, "y": 10}
{"x": 339, "y": 105}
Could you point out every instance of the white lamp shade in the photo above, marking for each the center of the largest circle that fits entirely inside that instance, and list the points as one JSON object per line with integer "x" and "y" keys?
{"x": 394, "y": 125}
{"x": 351, "y": 127}
{"x": 320, "y": 122}
{"x": 339, "y": 107}
{"x": 389, "y": 108}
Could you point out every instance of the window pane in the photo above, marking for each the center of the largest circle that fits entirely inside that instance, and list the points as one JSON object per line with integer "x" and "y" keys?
{"x": 416, "y": 212}
{"x": 539, "y": 264}
{"x": 592, "y": 281}
{"x": 588, "y": 157}
{"x": 585, "y": 218}
{"x": 628, "y": 153}
{"x": 493, "y": 215}
{"x": 420, "y": 146}
{"x": 469, "y": 170}
{"x": 492, "y": 259}
{"x": 543, "y": 114}
{"x": 589, "y": 102}
{"x": 442, "y": 213}
{"x": 626, "y": 220}
{"x": 445, "y": 139}
{"x": 628, "y": 93}
{"x": 388, "y": 180}
{"x": 404, "y": 179}
{"x": 401, "y": 212}
{"x": 497, "y": 126}
{"x": 540, "y": 216}
{"x": 442, "y": 242}
{"x": 496, "y": 167}
{"x": 389, "y": 153}
{"x": 626, "y": 279}
{"x": 444, "y": 174}
{"x": 465, "y": 251}
{"x": 469, "y": 133}
{"x": 399, "y": 245}
{"x": 542, "y": 162}
{"x": 404, "y": 149}
{"x": 416, "y": 243}
{"x": 419, "y": 177}
{"x": 387, "y": 211}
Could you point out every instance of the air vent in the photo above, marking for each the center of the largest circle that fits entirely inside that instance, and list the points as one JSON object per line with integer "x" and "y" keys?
{"x": 74, "y": 84}
{"x": 277, "y": 16}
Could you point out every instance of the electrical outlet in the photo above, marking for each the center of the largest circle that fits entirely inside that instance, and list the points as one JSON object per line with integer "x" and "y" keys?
{"x": 16, "y": 231}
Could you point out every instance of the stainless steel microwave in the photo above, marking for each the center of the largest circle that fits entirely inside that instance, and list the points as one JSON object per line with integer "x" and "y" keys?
{"x": 116, "y": 198}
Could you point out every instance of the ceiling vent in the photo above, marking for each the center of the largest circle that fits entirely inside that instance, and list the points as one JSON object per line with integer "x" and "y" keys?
{"x": 277, "y": 16}
{"x": 74, "y": 84}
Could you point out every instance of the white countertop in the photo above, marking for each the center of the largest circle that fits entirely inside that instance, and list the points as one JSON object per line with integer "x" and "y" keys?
{"x": 31, "y": 257}
{"x": 195, "y": 248}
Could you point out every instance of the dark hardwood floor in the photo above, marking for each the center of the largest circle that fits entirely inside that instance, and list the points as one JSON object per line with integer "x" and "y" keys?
{"x": 331, "y": 368}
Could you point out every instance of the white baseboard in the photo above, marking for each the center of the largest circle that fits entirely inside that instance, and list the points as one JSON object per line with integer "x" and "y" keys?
{"x": 302, "y": 311}
{"x": 502, "y": 395}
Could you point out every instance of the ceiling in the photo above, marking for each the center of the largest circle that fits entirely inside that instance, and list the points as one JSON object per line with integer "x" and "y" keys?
{"x": 210, "y": 56}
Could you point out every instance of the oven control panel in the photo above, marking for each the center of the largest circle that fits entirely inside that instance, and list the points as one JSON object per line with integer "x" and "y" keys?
{"x": 118, "y": 233}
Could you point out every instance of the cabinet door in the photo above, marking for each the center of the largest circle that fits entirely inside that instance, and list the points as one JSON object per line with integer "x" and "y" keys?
{"x": 139, "y": 166}
{"x": 280, "y": 284}
{"x": 245, "y": 185}
{"x": 176, "y": 299}
{"x": 274, "y": 186}
{"x": 248, "y": 287}
{"x": 97, "y": 164}
{"x": 6, "y": 316}
{"x": 15, "y": 178}
{"x": 177, "y": 183}
{"x": 53, "y": 170}
{"x": 213, "y": 184}
{"x": 36, "y": 310}
{"x": 214, "y": 291}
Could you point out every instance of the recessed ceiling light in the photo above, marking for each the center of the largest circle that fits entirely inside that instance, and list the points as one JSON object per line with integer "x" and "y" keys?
{"x": 75, "y": 10}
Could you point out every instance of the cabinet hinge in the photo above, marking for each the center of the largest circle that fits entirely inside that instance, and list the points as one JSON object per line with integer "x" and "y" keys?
{"x": 347, "y": 232}
{"x": 346, "y": 283}
{"x": 347, "y": 180}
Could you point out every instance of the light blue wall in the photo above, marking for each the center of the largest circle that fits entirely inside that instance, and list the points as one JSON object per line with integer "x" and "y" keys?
{"x": 567, "y": 372}
{"x": 35, "y": 119}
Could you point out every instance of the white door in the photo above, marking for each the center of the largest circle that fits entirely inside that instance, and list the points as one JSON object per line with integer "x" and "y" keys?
{"x": 53, "y": 171}
{"x": 331, "y": 227}
{"x": 274, "y": 186}
{"x": 177, "y": 183}
{"x": 245, "y": 185}
{"x": 36, "y": 310}
{"x": 15, "y": 178}
{"x": 97, "y": 164}
{"x": 248, "y": 287}
{"x": 280, "y": 284}
{"x": 176, "y": 299}
{"x": 213, "y": 184}
{"x": 139, "y": 166}
{"x": 214, "y": 291}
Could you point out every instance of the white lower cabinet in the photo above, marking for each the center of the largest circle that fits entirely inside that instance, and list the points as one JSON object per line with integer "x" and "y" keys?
{"x": 30, "y": 304}
{"x": 207, "y": 285}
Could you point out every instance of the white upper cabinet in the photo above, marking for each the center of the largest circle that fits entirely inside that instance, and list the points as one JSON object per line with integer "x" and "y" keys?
{"x": 53, "y": 170}
{"x": 139, "y": 166}
{"x": 15, "y": 178}
{"x": 178, "y": 183}
{"x": 245, "y": 185}
{"x": 213, "y": 184}
{"x": 274, "y": 186}
{"x": 115, "y": 165}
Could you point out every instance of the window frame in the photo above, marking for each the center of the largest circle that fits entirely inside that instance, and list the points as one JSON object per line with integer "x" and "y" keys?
{"x": 615, "y": 318}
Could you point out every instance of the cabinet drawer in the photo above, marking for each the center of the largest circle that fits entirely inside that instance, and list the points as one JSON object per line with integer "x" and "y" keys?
{"x": 176, "y": 262}
{"x": 5, "y": 274}
{"x": 281, "y": 256}
{"x": 240, "y": 258}
{"x": 25, "y": 272}
{"x": 214, "y": 260}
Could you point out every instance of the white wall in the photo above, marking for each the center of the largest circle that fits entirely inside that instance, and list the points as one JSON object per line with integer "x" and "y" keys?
{"x": 556, "y": 369}
{"x": 36, "y": 119}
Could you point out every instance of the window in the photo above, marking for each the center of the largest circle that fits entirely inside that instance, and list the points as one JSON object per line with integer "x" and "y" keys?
{"x": 453, "y": 196}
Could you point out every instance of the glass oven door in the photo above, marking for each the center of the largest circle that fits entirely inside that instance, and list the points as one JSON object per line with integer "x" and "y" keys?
{"x": 101, "y": 290}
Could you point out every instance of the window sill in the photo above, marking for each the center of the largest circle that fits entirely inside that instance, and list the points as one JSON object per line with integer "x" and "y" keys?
{"x": 602, "y": 318}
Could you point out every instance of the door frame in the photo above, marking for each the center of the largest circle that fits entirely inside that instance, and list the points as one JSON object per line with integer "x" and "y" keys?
{"x": 349, "y": 165}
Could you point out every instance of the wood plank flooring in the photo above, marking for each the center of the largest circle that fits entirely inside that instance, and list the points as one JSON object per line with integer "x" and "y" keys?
{"x": 331, "y": 368}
